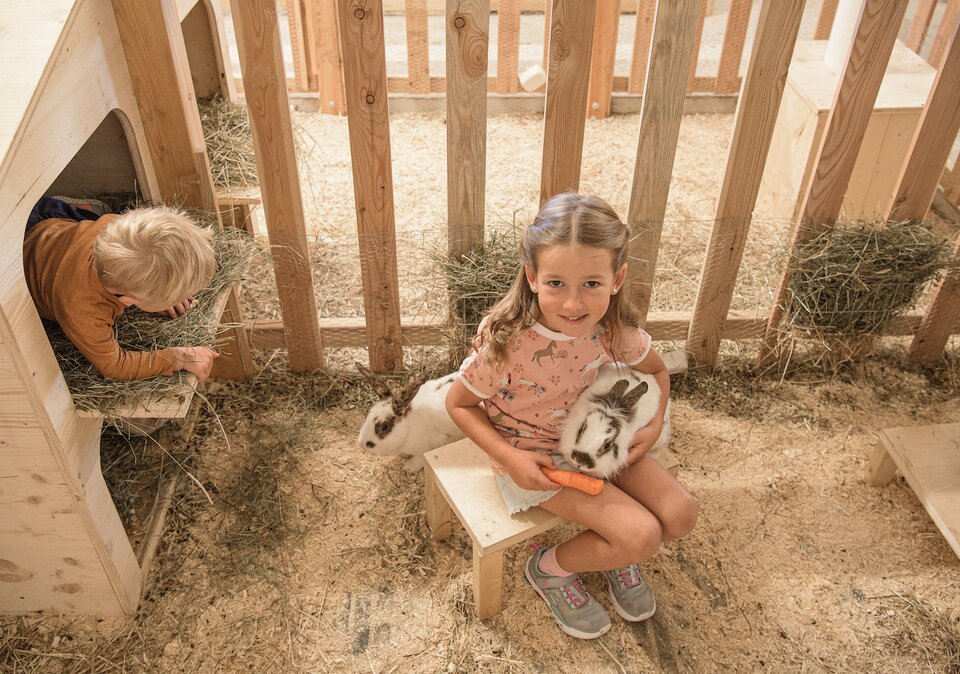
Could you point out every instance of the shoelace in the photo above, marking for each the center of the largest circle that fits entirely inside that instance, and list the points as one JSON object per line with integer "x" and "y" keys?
{"x": 575, "y": 594}
{"x": 629, "y": 576}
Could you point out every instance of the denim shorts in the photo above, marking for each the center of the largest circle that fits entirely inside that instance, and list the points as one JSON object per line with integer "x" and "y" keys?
{"x": 518, "y": 499}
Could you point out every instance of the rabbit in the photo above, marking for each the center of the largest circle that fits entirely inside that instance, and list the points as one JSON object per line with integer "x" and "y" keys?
{"x": 597, "y": 432}
{"x": 410, "y": 421}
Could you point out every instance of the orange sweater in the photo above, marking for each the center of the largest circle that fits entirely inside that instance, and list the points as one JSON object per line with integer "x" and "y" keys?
{"x": 58, "y": 264}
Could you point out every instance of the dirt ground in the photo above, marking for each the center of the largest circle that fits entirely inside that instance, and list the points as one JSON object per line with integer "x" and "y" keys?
{"x": 303, "y": 554}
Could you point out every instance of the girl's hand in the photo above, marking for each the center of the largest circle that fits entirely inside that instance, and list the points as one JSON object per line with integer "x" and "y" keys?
{"x": 524, "y": 468}
{"x": 178, "y": 309}
{"x": 644, "y": 439}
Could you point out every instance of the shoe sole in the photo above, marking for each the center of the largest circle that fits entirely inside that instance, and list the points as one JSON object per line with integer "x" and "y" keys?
{"x": 620, "y": 610}
{"x": 566, "y": 629}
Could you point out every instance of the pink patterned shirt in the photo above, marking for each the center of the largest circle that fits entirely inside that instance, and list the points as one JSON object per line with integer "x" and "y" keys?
{"x": 528, "y": 398}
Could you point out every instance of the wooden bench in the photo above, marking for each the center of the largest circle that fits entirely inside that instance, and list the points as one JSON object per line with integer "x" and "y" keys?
{"x": 928, "y": 457}
{"x": 458, "y": 477}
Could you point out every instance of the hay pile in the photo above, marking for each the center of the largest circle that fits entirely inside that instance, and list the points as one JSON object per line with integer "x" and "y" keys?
{"x": 226, "y": 132}
{"x": 854, "y": 277}
{"x": 139, "y": 331}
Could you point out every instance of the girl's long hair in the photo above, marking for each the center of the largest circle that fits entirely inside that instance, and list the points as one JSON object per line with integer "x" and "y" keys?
{"x": 568, "y": 219}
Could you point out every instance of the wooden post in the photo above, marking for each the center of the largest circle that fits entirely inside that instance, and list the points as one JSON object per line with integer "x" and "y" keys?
{"x": 697, "y": 36}
{"x": 920, "y": 24}
{"x": 547, "y": 8}
{"x": 606, "y": 27}
{"x": 467, "y": 41}
{"x": 728, "y": 73}
{"x": 671, "y": 55}
{"x": 418, "y": 47}
{"x": 828, "y": 10}
{"x": 918, "y": 183}
{"x": 365, "y": 75}
{"x": 947, "y": 23}
{"x": 641, "y": 45}
{"x": 327, "y": 58}
{"x": 310, "y": 43}
{"x": 571, "y": 34}
{"x": 845, "y": 127}
{"x": 297, "y": 44}
{"x": 756, "y": 116}
{"x": 258, "y": 42}
{"x": 508, "y": 46}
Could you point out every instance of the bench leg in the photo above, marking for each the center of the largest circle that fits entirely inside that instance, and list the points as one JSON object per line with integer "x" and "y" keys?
{"x": 881, "y": 468}
{"x": 438, "y": 510}
{"x": 487, "y": 583}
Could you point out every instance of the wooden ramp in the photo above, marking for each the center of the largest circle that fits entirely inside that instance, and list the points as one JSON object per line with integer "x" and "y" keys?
{"x": 929, "y": 458}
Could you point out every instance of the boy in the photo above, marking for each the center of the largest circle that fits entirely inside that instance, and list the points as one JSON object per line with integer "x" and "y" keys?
{"x": 84, "y": 273}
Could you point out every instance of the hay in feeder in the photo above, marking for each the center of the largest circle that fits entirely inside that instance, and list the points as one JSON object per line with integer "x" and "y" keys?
{"x": 226, "y": 132}
{"x": 140, "y": 331}
{"x": 854, "y": 277}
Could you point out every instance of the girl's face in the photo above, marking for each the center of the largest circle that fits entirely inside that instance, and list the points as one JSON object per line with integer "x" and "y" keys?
{"x": 573, "y": 286}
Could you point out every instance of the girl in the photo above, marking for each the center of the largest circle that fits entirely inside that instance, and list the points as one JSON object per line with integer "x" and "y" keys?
{"x": 540, "y": 346}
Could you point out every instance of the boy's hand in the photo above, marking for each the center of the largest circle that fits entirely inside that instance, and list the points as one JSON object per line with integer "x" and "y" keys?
{"x": 178, "y": 309}
{"x": 524, "y": 468}
{"x": 644, "y": 439}
{"x": 197, "y": 360}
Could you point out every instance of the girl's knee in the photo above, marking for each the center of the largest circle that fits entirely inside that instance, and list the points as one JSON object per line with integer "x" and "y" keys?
{"x": 680, "y": 517}
{"x": 640, "y": 539}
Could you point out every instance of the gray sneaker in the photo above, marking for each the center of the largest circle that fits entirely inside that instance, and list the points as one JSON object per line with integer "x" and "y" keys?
{"x": 576, "y": 612}
{"x": 630, "y": 593}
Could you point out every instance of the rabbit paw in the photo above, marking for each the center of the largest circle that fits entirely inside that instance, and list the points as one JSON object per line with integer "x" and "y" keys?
{"x": 414, "y": 464}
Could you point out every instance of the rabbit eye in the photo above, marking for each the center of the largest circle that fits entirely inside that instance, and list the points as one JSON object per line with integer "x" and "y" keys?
{"x": 608, "y": 446}
{"x": 382, "y": 428}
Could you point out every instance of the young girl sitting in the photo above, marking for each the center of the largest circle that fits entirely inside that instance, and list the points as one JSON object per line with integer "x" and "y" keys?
{"x": 537, "y": 350}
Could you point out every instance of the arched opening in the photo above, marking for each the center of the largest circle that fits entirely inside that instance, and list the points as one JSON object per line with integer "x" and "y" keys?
{"x": 204, "y": 51}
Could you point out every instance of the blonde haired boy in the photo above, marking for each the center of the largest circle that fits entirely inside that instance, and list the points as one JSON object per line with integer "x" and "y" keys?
{"x": 84, "y": 273}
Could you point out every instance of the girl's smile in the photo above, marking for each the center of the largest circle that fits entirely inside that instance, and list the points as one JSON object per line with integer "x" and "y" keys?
{"x": 573, "y": 286}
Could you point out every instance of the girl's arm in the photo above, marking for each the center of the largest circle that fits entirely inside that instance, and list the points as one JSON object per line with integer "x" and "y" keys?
{"x": 647, "y": 437}
{"x": 522, "y": 465}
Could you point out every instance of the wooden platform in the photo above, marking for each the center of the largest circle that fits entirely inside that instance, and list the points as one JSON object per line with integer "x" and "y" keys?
{"x": 929, "y": 458}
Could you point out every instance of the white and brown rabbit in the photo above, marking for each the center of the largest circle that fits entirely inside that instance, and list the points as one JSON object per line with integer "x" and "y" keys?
{"x": 410, "y": 421}
{"x": 599, "y": 427}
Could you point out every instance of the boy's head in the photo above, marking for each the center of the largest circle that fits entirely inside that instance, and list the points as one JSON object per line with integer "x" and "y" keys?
{"x": 156, "y": 256}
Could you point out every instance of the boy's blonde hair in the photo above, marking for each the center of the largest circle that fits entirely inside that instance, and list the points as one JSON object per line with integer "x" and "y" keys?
{"x": 568, "y": 219}
{"x": 156, "y": 253}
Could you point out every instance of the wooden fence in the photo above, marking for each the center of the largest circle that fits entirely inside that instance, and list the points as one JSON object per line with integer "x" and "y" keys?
{"x": 672, "y": 32}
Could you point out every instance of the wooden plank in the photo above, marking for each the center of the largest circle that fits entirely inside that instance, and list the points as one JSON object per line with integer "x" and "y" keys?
{"x": 606, "y": 26}
{"x": 571, "y": 35}
{"x": 846, "y": 125}
{"x": 697, "y": 37}
{"x": 328, "y": 59}
{"x": 756, "y": 117}
{"x": 467, "y": 51}
{"x": 728, "y": 72}
{"x": 487, "y": 583}
{"x": 311, "y": 39}
{"x": 641, "y": 46}
{"x": 202, "y": 31}
{"x": 365, "y": 75}
{"x": 671, "y": 55}
{"x": 547, "y": 9}
{"x": 951, "y": 183}
{"x": 352, "y": 332}
{"x": 297, "y": 44}
{"x": 828, "y": 11}
{"x": 418, "y": 46}
{"x": 258, "y": 41}
{"x": 920, "y": 23}
{"x": 945, "y": 33}
{"x": 508, "y": 47}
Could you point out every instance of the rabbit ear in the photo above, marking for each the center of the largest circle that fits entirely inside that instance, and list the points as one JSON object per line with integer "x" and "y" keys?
{"x": 631, "y": 398}
{"x": 403, "y": 397}
{"x": 612, "y": 398}
{"x": 618, "y": 389}
{"x": 380, "y": 387}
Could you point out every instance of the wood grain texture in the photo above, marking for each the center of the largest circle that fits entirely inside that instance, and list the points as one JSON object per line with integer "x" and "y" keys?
{"x": 328, "y": 58}
{"x": 828, "y": 12}
{"x": 365, "y": 75}
{"x": 301, "y": 76}
{"x": 641, "y": 46}
{"x": 697, "y": 37}
{"x": 418, "y": 46}
{"x": 728, "y": 72}
{"x": 671, "y": 54}
{"x": 920, "y": 24}
{"x": 258, "y": 42}
{"x": 606, "y": 27}
{"x": 508, "y": 46}
{"x": 945, "y": 32}
{"x": 467, "y": 23}
{"x": 571, "y": 35}
{"x": 756, "y": 117}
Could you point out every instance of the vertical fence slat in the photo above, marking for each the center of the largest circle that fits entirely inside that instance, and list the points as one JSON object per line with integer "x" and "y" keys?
{"x": 756, "y": 117}
{"x": 258, "y": 43}
{"x": 603, "y": 59}
{"x": 671, "y": 54}
{"x": 547, "y": 8}
{"x": 365, "y": 75}
{"x": 950, "y": 14}
{"x": 697, "y": 38}
{"x": 571, "y": 34}
{"x": 467, "y": 25}
{"x": 950, "y": 181}
{"x": 418, "y": 46}
{"x": 641, "y": 45}
{"x": 327, "y": 57}
{"x": 828, "y": 11}
{"x": 920, "y": 23}
{"x": 917, "y": 184}
{"x": 310, "y": 43}
{"x": 846, "y": 125}
{"x": 728, "y": 72}
{"x": 297, "y": 43}
{"x": 508, "y": 46}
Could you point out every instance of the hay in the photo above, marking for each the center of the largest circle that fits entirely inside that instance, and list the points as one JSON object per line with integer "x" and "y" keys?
{"x": 226, "y": 132}
{"x": 853, "y": 278}
{"x": 139, "y": 331}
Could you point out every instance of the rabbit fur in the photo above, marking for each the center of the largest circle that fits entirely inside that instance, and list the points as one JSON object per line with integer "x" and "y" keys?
{"x": 410, "y": 421}
{"x": 600, "y": 425}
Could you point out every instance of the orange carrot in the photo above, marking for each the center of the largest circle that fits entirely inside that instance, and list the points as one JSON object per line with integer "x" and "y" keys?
{"x": 575, "y": 480}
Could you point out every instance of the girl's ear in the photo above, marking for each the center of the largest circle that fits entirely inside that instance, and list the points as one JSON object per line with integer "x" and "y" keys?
{"x": 620, "y": 276}
{"x": 531, "y": 277}
{"x": 127, "y": 300}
